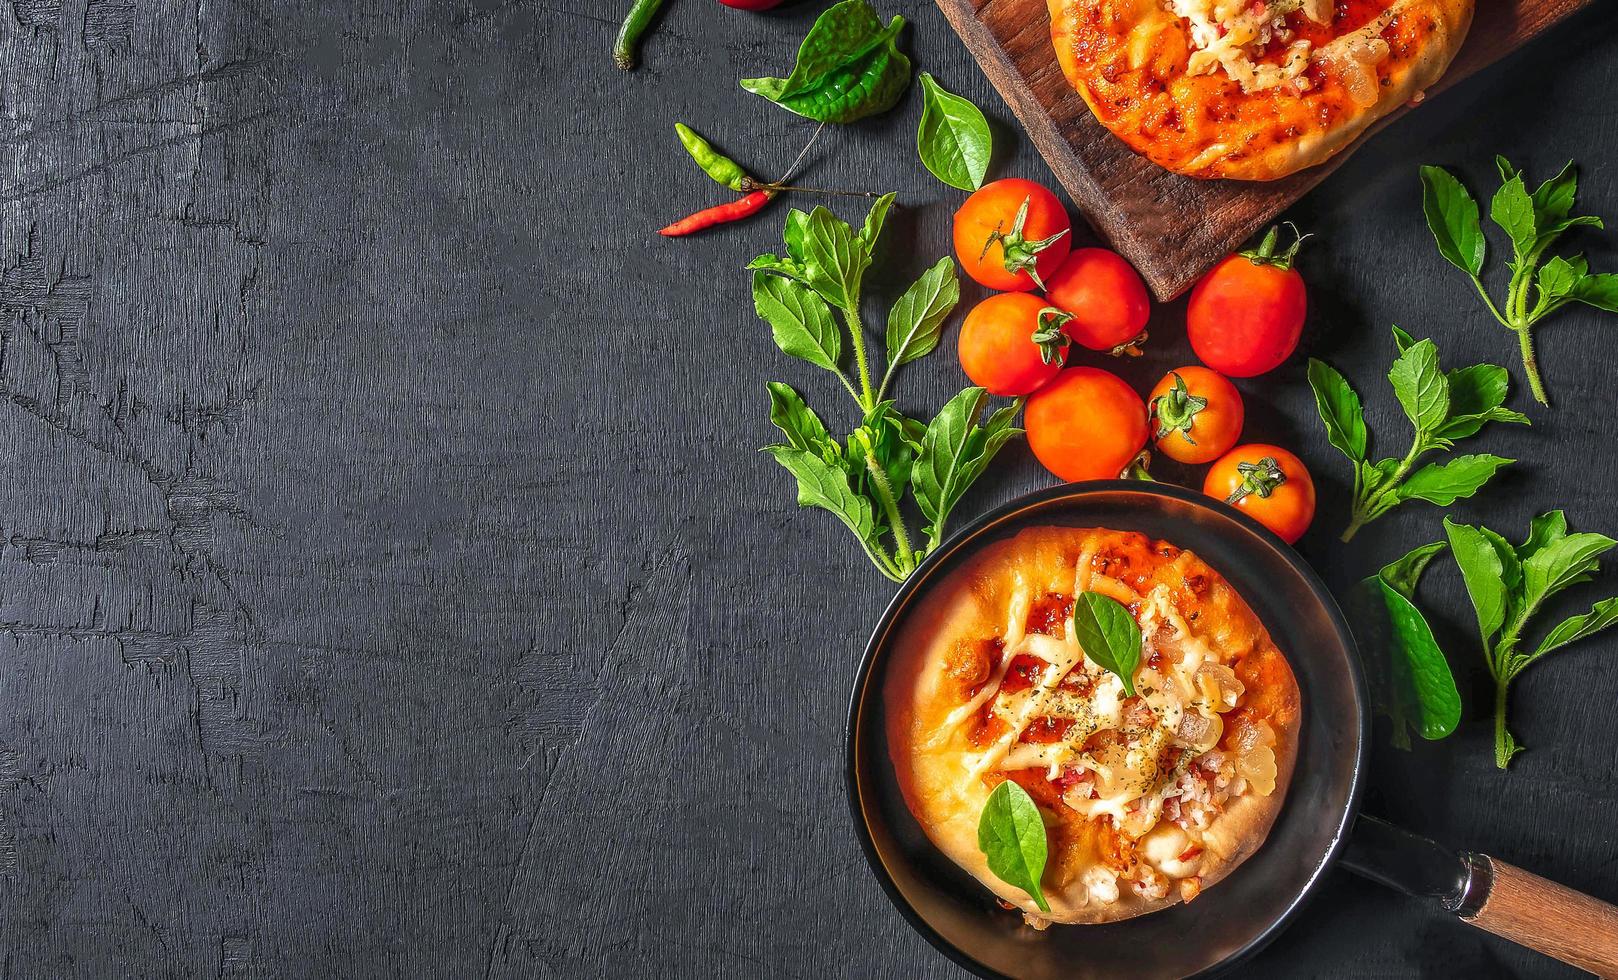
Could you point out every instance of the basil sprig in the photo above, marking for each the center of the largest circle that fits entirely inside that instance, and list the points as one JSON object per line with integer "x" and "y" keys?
{"x": 1533, "y": 221}
{"x": 953, "y": 138}
{"x": 1011, "y": 835}
{"x": 1109, "y": 635}
{"x": 1443, "y": 406}
{"x": 1411, "y": 681}
{"x": 848, "y": 67}
{"x": 1508, "y": 584}
{"x": 862, "y": 479}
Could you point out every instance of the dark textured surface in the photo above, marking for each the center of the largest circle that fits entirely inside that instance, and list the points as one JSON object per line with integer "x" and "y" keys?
{"x": 390, "y": 585}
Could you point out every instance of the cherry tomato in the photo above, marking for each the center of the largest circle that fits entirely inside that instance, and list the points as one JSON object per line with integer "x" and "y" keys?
{"x": 1196, "y": 415}
{"x": 1086, "y": 424}
{"x": 751, "y": 4}
{"x": 1010, "y": 234}
{"x": 1246, "y": 315}
{"x": 1106, "y": 297}
{"x": 1011, "y": 343}
{"x": 1269, "y": 484}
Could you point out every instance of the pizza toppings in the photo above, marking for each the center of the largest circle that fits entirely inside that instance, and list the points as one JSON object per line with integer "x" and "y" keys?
{"x": 1146, "y": 745}
{"x": 1235, "y": 35}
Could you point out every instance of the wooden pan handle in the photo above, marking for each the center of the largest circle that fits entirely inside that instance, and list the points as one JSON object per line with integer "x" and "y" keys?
{"x": 1552, "y": 918}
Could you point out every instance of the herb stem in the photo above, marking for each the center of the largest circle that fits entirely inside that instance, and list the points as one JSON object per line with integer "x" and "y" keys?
{"x": 1504, "y": 745}
{"x": 905, "y": 558}
{"x": 1490, "y": 303}
{"x": 1353, "y": 527}
{"x": 1379, "y": 502}
{"x": 1530, "y": 363}
{"x": 856, "y": 333}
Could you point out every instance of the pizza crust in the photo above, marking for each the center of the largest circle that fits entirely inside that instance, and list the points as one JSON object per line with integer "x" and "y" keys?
{"x": 925, "y": 684}
{"x": 1128, "y": 59}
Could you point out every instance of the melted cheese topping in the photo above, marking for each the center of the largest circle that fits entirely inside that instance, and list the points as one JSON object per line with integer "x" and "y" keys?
{"x": 1233, "y": 35}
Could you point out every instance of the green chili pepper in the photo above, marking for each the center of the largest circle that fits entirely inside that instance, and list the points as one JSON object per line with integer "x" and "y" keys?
{"x": 713, "y": 163}
{"x": 635, "y": 24}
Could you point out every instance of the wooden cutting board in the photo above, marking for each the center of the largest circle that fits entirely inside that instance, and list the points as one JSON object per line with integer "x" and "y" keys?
{"x": 1171, "y": 227}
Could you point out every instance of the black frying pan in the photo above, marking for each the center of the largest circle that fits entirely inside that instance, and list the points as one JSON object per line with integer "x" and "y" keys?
{"x": 1319, "y": 824}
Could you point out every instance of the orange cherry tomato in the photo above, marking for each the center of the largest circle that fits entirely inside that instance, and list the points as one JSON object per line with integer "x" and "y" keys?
{"x": 1011, "y": 343}
{"x": 1106, "y": 297}
{"x": 1011, "y": 233}
{"x": 1196, "y": 415}
{"x": 1270, "y": 484}
{"x": 1246, "y": 315}
{"x": 1087, "y": 424}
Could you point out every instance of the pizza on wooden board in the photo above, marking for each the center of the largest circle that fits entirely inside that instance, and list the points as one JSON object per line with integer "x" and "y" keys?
{"x": 1147, "y": 800}
{"x": 1251, "y": 89}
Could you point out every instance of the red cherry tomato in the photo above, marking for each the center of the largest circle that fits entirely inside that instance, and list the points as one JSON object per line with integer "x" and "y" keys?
{"x": 751, "y": 4}
{"x": 1087, "y": 424}
{"x": 1246, "y": 315}
{"x": 1197, "y": 415}
{"x": 1011, "y": 233}
{"x": 1106, "y": 297}
{"x": 1267, "y": 482}
{"x": 1011, "y": 343}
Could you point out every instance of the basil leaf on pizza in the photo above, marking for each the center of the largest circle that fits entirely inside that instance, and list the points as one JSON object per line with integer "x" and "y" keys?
{"x": 1011, "y": 835}
{"x": 1109, "y": 635}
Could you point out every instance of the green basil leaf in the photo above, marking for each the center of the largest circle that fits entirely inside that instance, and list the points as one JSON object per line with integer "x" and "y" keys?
{"x": 1477, "y": 388}
{"x": 881, "y": 431}
{"x": 917, "y": 318}
{"x": 1481, "y": 571}
{"x": 1462, "y": 426}
{"x": 1511, "y": 571}
{"x": 1475, "y": 396}
{"x": 796, "y": 420}
{"x": 1554, "y": 280}
{"x": 954, "y": 452}
{"x": 1404, "y": 573}
{"x": 1011, "y": 835}
{"x": 1452, "y": 216}
{"x": 848, "y": 68}
{"x": 871, "y": 230}
{"x": 844, "y": 33}
{"x": 1563, "y": 563}
{"x": 953, "y": 139}
{"x": 1599, "y": 291}
{"x": 1340, "y": 409}
{"x": 1513, "y": 210}
{"x": 1109, "y": 635}
{"x": 1412, "y": 683}
{"x": 1576, "y": 628}
{"x": 834, "y": 259}
{"x": 824, "y": 485}
{"x": 799, "y": 320}
{"x": 986, "y": 440}
{"x": 1402, "y": 339}
{"x": 1553, "y": 200}
{"x": 1545, "y": 529}
{"x": 1445, "y": 483}
{"x": 1420, "y": 386}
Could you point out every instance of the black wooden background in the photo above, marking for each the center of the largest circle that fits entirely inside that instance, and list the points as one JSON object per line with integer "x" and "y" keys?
{"x": 389, "y": 583}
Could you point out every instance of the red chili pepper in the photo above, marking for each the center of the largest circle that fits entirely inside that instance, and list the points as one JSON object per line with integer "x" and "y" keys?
{"x": 735, "y": 210}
